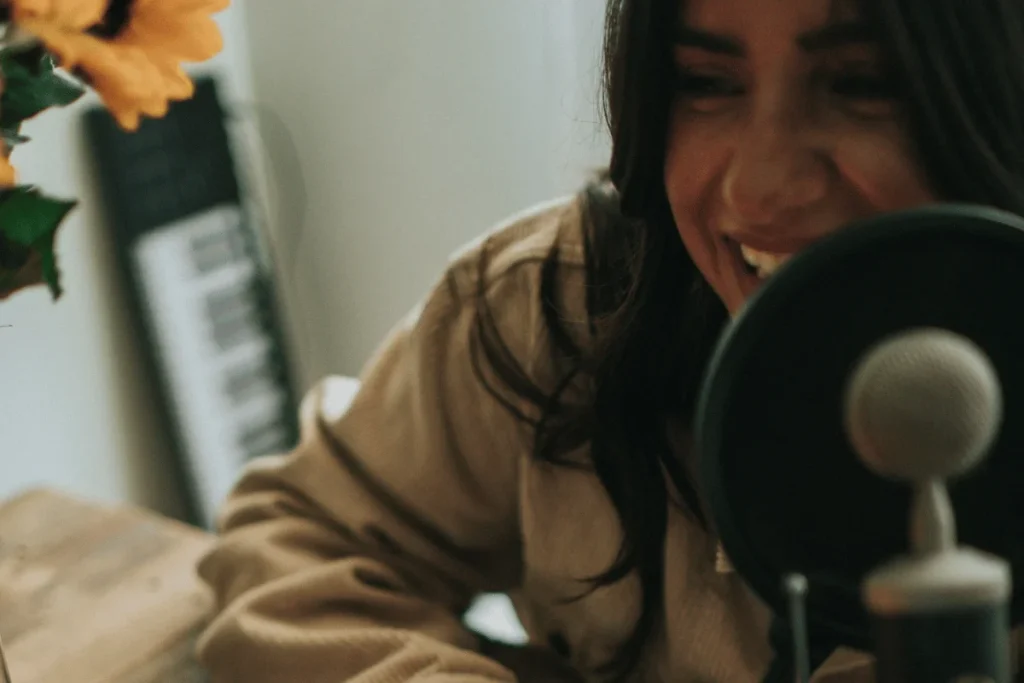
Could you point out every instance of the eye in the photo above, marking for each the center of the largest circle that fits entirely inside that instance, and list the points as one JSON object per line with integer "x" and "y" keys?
{"x": 863, "y": 86}
{"x": 864, "y": 94}
{"x": 706, "y": 91}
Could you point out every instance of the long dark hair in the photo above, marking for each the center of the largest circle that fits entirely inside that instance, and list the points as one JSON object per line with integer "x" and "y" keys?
{"x": 653, "y": 317}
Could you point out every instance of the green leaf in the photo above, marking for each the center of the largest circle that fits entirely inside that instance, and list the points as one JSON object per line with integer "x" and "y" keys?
{"x": 51, "y": 276}
{"x": 12, "y": 256}
{"x": 29, "y": 219}
{"x": 12, "y": 136}
{"x": 46, "y": 62}
{"x": 30, "y": 88}
{"x": 27, "y": 216}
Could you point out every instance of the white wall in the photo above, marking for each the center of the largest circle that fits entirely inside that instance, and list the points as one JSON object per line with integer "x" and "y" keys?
{"x": 395, "y": 130}
{"x": 74, "y": 412}
{"x": 399, "y": 130}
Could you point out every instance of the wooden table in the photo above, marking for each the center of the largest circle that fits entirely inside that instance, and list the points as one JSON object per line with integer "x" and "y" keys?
{"x": 93, "y": 594}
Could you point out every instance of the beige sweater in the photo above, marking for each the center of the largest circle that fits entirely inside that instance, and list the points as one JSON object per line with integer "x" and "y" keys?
{"x": 353, "y": 557}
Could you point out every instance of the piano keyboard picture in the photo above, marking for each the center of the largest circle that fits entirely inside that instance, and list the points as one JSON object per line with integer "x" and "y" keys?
{"x": 213, "y": 346}
{"x": 203, "y": 299}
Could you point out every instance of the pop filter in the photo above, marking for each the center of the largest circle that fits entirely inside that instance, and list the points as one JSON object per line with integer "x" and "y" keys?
{"x": 786, "y": 491}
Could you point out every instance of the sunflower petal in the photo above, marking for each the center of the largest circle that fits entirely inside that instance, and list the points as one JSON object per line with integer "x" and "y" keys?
{"x": 181, "y": 6}
{"x": 67, "y": 46}
{"x": 128, "y": 82}
{"x": 138, "y": 72}
{"x": 177, "y": 84}
{"x": 76, "y": 14}
{"x": 189, "y": 38}
{"x": 8, "y": 176}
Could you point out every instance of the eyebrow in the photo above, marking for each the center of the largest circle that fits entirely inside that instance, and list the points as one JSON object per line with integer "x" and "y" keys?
{"x": 707, "y": 41}
{"x": 836, "y": 35}
{"x": 828, "y": 37}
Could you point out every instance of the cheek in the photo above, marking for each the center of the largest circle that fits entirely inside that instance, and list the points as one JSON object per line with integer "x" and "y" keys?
{"x": 696, "y": 155}
{"x": 884, "y": 171}
{"x": 693, "y": 159}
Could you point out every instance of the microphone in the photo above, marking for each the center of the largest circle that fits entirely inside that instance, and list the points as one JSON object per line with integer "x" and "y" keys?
{"x": 922, "y": 407}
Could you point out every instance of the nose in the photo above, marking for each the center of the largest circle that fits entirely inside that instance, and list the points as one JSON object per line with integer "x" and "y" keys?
{"x": 775, "y": 171}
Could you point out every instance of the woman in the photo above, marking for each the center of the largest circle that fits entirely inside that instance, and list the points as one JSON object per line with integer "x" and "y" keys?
{"x": 526, "y": 430}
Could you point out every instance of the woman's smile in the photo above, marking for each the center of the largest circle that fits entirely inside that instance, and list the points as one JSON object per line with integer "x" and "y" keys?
{"x": 785, "y": 127}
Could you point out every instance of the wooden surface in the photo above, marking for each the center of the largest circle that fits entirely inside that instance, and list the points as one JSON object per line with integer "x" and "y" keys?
{"x": 92, "y": 594}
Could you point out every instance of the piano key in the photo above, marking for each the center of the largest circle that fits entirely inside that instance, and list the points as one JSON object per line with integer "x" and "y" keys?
{"x": 243, "y": 382}
{"x": 216, "y": 250}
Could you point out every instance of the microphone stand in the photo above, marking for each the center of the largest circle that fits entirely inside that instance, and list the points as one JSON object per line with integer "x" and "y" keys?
{"x": 941, "y": 613}
{"x": 796, "y": 656}
{"x": 784, "y": 668}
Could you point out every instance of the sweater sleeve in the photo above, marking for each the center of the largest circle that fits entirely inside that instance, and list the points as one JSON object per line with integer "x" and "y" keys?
{"x": 353, "y": 557}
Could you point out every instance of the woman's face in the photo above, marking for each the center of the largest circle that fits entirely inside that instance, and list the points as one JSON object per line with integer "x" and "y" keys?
{"x": 783, "y": 129}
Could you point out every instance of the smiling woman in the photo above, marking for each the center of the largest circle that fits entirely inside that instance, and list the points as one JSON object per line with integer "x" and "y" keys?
{"x": 528, "y": 429}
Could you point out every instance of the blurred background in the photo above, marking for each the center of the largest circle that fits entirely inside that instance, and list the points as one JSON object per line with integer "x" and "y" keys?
{"x": 356, "y": 145}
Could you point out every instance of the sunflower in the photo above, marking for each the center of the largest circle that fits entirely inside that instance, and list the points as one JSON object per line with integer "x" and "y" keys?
{"x": 129, "y": 51}
{"x": 7, "y": 174}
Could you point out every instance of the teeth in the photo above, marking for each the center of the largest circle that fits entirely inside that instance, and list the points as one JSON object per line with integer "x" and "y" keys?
{"x": 765, "y": 262}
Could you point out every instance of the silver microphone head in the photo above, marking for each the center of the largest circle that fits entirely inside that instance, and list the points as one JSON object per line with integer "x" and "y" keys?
{"x": 923, "y": 405}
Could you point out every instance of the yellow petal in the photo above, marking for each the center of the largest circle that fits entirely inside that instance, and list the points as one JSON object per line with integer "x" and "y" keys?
{"x": 193, "y": 38}
{"x": 138, "y": 72}
{"x": 8, "y": 176}
{"x": 178, "y": 6}
{"x": 125, "y": 79}
{"x": 176, "y": 82}
{"x": 132, "y": 84}
{"x": 67, "y": 46}
{"x": 128, "y": 83}
{"x": 77, "y": 14}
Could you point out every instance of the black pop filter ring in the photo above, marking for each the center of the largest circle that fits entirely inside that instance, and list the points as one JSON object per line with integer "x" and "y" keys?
{"x": 785, "y": 490}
